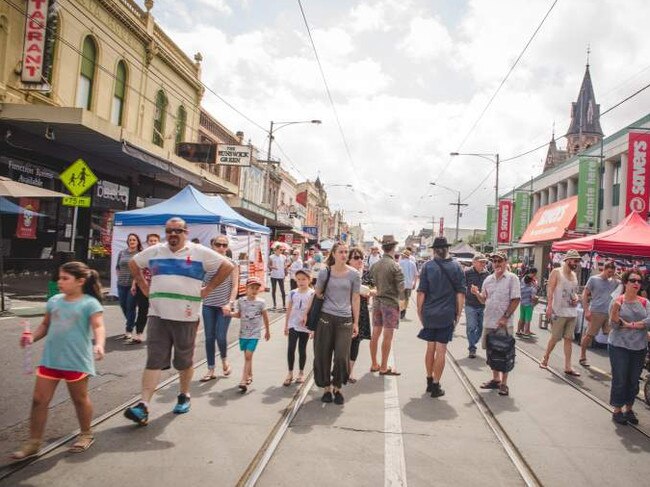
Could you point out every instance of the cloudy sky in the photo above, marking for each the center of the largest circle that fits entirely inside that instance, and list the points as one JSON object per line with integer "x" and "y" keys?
{"x": 409, "y": 79}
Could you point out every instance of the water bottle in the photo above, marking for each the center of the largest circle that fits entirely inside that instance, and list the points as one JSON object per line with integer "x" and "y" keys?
{"x": 25, "y": 338}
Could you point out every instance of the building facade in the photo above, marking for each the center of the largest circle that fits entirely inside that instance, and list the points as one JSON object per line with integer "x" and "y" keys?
{"x": 99, "y": 81}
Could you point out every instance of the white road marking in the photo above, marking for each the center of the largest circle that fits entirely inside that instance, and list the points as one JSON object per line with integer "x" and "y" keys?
{"x": 394, "y": 462}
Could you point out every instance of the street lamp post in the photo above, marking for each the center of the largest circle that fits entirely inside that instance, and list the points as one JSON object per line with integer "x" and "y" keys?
{"x": 275, "y": 126}
{"x": 458, "y": 204}
{"x": 495, "y": 159}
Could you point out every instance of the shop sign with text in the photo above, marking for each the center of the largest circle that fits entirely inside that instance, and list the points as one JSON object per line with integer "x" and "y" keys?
{"x": 34, "y": 41}
{"x": 638, "y": 176}
{"x": 504, "y": 221}
{"x": 588, "y": 189}
{"x": 111, "y": 195}
{"x": 233, "y": 155}
{"x": 489, "y": 224}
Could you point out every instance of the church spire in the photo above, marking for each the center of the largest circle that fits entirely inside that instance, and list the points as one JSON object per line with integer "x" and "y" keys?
{"x": 584, "y": 130}
{"x": 554, "y": 156}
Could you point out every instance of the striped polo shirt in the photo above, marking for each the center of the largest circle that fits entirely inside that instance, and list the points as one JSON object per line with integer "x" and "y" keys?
{"x": 177, "y": 278}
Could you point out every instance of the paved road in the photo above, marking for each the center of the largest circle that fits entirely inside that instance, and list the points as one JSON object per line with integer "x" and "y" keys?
{"x": 389, "y": 431}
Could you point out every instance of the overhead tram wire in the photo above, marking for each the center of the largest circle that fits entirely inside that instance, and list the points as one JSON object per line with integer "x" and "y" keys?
{"x": 503, "y": 81}
{"x": 331, "y": 100}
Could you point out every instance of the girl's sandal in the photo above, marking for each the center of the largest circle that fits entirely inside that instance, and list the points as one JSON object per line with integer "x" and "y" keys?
{"x": 82, "y": 443}
{"x": 29, "y": 449}
{"x": 227, "y": 370}
{"x": 287, "y": 382}
{"x": 243, "y": 387}
{"x": 300, "y": 379}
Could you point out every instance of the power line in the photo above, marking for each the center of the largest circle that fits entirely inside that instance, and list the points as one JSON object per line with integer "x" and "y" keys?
{"x": 503, "y": 81}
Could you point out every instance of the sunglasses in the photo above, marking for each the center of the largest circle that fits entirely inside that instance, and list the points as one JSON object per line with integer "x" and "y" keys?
{"x": 356, "y": 257}
{"x": 175, "y": 231}
{"x": 633, "y": 281}
{"x": 219, "y": 244}
{"x": 497, "y": 261}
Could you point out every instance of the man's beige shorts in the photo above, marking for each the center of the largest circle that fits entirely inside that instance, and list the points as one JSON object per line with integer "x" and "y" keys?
{"x": 598, "y": 321}
{"x": 563, "y": 327}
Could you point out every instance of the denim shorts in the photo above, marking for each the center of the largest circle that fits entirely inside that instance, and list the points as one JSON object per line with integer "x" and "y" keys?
{"x": 248, "y": 344}
{"x": 438, "y": 335}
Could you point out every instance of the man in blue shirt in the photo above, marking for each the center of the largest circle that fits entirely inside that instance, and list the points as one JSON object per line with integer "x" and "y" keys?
{"x": 440, "y": 300}
{"x": 473, "y": 308}
{"x": 410, "y": 271}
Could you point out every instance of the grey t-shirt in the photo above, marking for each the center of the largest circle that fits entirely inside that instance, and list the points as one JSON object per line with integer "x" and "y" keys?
{"x": 251, "y": 320}
{"x": 338, "y": 295}
{"x": 625, "y": 337}
{"x": 601, "y": 293}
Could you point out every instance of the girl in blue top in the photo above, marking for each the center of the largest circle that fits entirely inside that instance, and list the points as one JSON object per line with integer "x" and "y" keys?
{"x": 70, "y": 319}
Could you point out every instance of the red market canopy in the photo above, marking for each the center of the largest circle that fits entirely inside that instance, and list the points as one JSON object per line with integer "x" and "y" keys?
{"x": 630, "y": 237}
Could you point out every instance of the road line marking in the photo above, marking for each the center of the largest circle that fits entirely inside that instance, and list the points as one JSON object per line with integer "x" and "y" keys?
{"x": 394, "y": 461}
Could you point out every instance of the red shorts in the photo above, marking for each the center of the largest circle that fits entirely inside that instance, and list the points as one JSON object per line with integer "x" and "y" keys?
{"x": 385, "y": 316}
{"x": 56, "y": 374}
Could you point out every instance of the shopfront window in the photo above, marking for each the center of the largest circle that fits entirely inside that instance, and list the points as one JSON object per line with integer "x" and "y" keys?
{"x": 159, "y": 119}
{"x": 117, "y": 110}
{"x": 181, "y": 122}
{"x": 87, "y": 73}
{"x": 616, "y": 189}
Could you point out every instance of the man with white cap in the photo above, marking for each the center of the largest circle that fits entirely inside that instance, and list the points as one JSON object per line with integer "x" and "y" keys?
{"x": 374, "y": 256}
{"x": 561, "y": 310}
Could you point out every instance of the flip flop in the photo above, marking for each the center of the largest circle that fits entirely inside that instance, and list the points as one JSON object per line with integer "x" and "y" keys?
{"x": 372, "y": 369}
{"x": 543, "y": 364}
{"x": 572, "y": 373}
{"x": 287, "y": 382}
{"x": 249, "y": 381}
{"x": 352, "y": 380}
{"x": 227, "y": 370}
{"x": 583, "y": 362}
{"x": 390, "y": 371}
{"x": 82, "y": 443}
{"x": 243, "y": 388}
{"x": 207, "y": 378}
{"x": 300, "y": 380}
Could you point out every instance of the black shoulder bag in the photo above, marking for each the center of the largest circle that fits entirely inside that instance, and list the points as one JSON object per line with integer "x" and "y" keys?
{"x": 317, "y": 305}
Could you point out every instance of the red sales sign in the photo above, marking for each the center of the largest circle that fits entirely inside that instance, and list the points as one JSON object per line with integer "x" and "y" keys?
{"x": 27, "y": 221}
{"x": 504, "y": 221}
{"x": 441, "y": 228}
{"x": 638, "y": 175}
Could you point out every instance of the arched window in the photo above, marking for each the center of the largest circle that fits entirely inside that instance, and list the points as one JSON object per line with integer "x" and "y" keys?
{"x": 87, "y": 73}
{"x": 119, "y": 93}
{"x": 159, "y": 119}
{"x": 181, "y": 122}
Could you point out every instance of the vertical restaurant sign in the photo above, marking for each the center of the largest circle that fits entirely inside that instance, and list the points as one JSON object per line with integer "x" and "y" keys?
{"x": 504, "y": 221}
{"x": 34, "y": 41}
{"x": 489, "y": 224}
{"x": 441, "y": 228}
{"x": 522, "y": 215}
{"x": 638, "y": 178}
{"x": 27, "y": 221}
{"x": 588, "y": 188}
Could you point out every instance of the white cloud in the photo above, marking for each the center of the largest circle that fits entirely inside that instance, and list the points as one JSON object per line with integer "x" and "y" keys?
{"x": 427, "y": 39}
{"x": 220, "y": 6}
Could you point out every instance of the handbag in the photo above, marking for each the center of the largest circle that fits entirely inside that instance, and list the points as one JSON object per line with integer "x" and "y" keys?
{"x": 317, "y": 305}
{"x": 500, "y": 351}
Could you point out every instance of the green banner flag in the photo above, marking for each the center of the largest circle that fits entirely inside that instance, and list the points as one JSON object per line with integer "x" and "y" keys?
{"x": 489, "y": 226}
{"x": 588, "y": 188}
{"x": 522, "y": 214}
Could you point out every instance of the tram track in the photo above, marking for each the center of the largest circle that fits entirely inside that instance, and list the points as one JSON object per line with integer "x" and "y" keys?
{"x": 12, "y": 468}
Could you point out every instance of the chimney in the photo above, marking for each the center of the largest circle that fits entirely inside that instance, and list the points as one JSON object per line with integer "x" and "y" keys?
{"x": 240, "y": 136}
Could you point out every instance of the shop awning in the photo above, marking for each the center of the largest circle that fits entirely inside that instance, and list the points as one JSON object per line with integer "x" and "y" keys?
{"x": 552, "y": 222}
{"x": 79, "y": 133}
{"x": 631, "y": 237}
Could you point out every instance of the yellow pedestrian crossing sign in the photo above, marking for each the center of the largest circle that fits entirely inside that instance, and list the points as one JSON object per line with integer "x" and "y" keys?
{"x": 78, "y": 177}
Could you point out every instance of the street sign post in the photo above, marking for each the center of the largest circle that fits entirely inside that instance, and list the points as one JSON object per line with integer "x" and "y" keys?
{"x": 77, "y": 178}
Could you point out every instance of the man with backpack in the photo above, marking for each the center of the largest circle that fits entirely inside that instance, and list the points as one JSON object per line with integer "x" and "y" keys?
{"x": 501, "y": 294}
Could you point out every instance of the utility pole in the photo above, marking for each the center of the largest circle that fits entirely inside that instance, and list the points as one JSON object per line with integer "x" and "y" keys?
{"x": 458, "y": 205}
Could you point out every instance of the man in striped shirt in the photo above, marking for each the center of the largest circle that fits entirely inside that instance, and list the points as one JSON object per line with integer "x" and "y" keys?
{"x": 175, "y": 293}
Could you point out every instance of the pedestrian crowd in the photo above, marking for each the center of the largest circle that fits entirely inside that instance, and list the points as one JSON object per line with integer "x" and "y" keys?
{"x": 337, "y": 299}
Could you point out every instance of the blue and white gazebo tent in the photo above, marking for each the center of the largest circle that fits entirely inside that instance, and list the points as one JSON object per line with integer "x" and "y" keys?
{"x": 206, "y": 217}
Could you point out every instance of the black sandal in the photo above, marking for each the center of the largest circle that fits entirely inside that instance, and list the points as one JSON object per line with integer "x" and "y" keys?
{"x": 491, "y": 384}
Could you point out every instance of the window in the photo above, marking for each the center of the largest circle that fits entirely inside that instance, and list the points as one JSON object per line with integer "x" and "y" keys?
{"x": 181, "y": 122}
{"x": 616, "y": 189}
{"x": 87, "y": 74}
{"x": 117, "y": 110}
{"x": 159, "y": 119}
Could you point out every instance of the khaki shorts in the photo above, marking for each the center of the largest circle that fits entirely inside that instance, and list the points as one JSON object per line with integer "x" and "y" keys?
{"x": 163, "y": 336}
{"x": 487, "y": 331}
{"x": 563, "y": 327}
{"x": 598, "y": 321}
